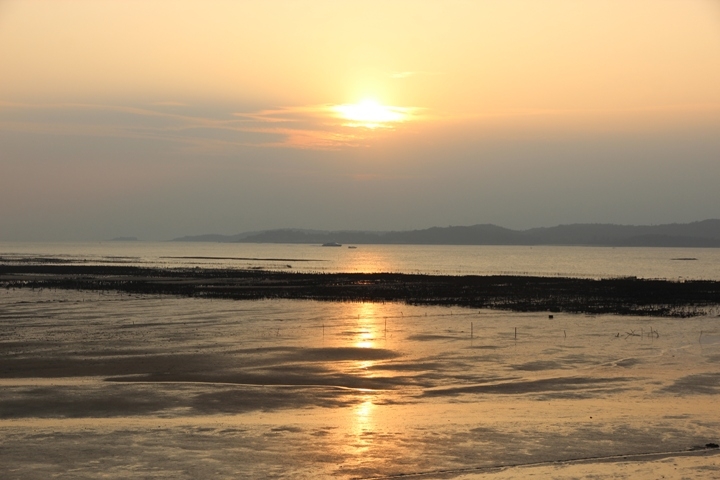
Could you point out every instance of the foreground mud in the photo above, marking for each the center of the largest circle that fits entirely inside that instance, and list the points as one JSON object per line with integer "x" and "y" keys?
{"x": 98, "y": 384}
{"x": 624, "y": 296}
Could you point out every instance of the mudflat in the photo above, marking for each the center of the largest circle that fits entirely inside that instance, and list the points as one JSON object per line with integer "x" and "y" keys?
{"x": 116, "y": 385}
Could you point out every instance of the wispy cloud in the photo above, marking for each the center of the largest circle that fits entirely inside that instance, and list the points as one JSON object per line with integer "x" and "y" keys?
{"x": 193, "y": 132}
{"x": 305, "y": 127}
{"x": 324, "y": 126}
{"x": 169, "y": 104}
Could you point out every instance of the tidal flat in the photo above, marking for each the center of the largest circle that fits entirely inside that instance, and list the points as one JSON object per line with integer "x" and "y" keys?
{"x": 103, "y": 384}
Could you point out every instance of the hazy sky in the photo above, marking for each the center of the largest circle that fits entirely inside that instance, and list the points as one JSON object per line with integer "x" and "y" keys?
{"x": 160, "y": 118}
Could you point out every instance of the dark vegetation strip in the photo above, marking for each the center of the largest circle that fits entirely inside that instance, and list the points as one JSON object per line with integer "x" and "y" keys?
{"x": 625, "y": 296}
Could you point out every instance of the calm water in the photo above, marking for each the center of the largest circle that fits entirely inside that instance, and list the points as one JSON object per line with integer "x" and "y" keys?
{"x": 595, "y": 262}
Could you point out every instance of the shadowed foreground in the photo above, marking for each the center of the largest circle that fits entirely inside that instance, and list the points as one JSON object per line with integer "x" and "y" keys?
{"x": 625, "y": 296}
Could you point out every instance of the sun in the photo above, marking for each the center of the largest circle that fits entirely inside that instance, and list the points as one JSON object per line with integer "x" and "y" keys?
{"x": 370, "y": 114}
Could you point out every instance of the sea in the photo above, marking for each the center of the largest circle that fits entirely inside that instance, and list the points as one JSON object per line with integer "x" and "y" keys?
{"x": 676, "y": 264}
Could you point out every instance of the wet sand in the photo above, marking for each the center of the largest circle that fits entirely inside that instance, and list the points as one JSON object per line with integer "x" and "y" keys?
{"x": 99, "y": 384}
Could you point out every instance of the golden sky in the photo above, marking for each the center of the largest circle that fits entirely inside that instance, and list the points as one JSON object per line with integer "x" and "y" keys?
{"x": 274, "y": 86}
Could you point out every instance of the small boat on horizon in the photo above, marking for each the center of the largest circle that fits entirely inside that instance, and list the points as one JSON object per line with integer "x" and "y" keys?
{"x": 331, "y": 244}
{"x": 352, "y": 246}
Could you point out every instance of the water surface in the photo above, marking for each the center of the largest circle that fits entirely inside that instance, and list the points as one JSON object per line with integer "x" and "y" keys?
{"x": 591, "y": 262}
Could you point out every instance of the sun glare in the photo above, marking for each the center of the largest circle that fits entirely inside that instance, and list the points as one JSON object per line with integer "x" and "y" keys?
{"x": 371, "y": 114}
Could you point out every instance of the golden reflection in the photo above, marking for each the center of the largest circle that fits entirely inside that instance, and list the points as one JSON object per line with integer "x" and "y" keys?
{"x": 365, "y": 322}
{"x": 365, "y": 260}
{"x": 366, "y": 331}
{"x": 371, "y": 114}
{"x": 363, "y": 412}
{"x": 363, "y": 426}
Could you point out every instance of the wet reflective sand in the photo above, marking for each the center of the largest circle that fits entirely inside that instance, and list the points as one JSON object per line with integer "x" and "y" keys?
{"x": 112, "y": 386}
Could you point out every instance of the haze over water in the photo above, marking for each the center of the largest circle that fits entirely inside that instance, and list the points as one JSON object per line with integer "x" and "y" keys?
{"x": 590, "y": 262}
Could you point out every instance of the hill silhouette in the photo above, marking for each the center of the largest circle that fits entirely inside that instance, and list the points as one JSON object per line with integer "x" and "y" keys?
{"x": 704, "y": 233}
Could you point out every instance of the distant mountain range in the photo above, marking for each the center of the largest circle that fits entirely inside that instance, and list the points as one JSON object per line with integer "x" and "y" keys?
{"x": 705, "y": 233}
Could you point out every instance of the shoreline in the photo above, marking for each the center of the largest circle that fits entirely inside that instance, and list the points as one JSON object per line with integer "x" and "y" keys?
{"x": 622, "y": 296}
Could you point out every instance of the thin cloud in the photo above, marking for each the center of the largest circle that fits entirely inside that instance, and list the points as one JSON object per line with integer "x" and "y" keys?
{"x": 321, "y": 126}
{"x": 303, "y": 127}
{"x": 216, "y": 135}
{"x": 314, "y": 139}
{"x": 169, "y": 104}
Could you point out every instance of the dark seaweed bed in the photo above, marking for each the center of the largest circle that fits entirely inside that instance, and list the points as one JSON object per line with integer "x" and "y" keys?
{"x": 624, "y": 296}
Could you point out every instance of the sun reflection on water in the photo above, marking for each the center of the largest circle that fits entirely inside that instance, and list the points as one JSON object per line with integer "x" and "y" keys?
{"x": 365, "y": 260}
{"x": 365, "y": 338}
{"x": 363, "y": 328}
{"x": 363, "y": 427}
{"x": 366, "y": 328}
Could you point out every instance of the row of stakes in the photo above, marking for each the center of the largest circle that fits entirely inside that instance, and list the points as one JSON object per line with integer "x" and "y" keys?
{"x": 653, "y": 332}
